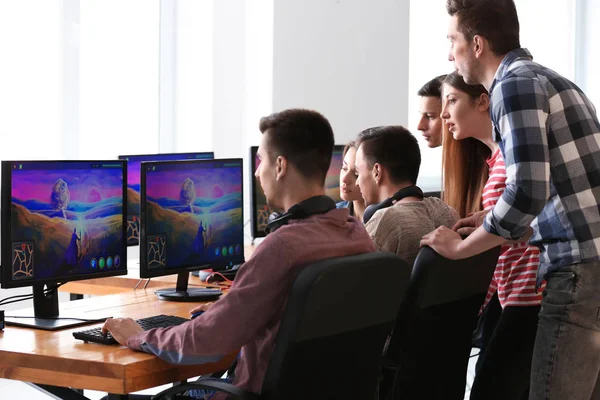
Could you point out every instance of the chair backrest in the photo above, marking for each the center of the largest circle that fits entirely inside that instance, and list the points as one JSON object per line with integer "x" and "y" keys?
{"x": 337, "y": 318}
{"x": 431, "y": 343}
{"x": 433, "y": 194}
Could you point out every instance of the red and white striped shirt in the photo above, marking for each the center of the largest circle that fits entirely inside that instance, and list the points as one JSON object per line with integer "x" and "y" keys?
{"x": 515, "y": 274}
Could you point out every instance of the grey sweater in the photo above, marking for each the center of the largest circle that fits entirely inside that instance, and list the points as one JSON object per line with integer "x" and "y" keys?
{"x": 399, "y": 228}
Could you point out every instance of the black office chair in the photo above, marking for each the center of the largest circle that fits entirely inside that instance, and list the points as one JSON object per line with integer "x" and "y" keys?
{"x": 329, "y": 346}
{"x": 428, "y": 354}
{"x": 433, "y": 194}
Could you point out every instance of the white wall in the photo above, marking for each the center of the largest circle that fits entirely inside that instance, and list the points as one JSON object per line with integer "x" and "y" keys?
{"x": 344, "y": 58}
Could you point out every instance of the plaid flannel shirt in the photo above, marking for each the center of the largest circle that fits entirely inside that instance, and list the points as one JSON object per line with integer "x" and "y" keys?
{"x": 549, "y": 135}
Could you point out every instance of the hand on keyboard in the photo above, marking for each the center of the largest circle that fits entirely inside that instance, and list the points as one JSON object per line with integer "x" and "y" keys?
{"x": 96, "y": 335}
{"x": 121, "y": 329}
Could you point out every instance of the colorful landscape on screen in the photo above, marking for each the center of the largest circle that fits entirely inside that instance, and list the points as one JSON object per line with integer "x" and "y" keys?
{"x": 66, "y": 219}
{"x": 134, "y": 163}
{"x": 193, "y": 213}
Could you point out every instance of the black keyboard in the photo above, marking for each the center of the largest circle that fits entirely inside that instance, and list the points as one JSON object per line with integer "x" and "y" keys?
{"x": 157, "y": 321}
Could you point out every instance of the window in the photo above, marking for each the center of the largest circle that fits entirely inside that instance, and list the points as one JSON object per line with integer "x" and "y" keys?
{"x": 30, "y": 80}
{"x": 118, "y": 89}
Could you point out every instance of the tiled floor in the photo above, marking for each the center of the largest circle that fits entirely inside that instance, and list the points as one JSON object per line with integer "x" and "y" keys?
{"x": 471, "y": 371}
{"x": 18, "y": 390}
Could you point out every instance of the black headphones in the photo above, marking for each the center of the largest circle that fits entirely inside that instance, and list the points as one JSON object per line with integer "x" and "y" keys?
{"x": 409, "y": 191}
{"x": 304, "y": 209}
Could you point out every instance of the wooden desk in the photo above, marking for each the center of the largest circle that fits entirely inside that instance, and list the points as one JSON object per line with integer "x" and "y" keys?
{"x": 58, "y": 359}
{"x": 126, "y": 283}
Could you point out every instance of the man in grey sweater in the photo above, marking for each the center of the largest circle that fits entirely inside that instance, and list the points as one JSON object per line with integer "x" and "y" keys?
{"x": 387, "y": 162}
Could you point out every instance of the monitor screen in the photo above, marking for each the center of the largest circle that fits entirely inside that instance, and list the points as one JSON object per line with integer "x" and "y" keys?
{"x": 258, "y": 207}
{"x": 192, "y": 216}
{"x": 133, "y": 186}
{"x": 62, "y": 221}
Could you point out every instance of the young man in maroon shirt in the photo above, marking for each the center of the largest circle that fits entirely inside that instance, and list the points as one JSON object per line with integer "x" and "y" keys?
{"x": 295, "y": 153}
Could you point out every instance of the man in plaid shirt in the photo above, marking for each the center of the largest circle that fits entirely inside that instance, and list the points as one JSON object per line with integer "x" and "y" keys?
{"x": 549, "y": 135}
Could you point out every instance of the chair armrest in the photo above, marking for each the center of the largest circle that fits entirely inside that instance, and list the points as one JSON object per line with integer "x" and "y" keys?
{"x": 208, "y": 383}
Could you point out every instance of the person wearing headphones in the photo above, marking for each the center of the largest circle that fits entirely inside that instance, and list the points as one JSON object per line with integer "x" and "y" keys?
{"x": 295, "y": 152}
{"x": 397, "y": 216}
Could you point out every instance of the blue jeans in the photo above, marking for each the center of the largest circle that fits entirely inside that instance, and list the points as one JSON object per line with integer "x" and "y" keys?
{"x": 566, "y": 355}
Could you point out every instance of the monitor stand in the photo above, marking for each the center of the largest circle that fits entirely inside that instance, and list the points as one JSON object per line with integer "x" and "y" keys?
{"x": 183, "y": 293}
{"x": 44, "y": 314}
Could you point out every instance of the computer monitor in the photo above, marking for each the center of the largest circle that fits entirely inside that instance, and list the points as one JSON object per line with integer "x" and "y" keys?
{"x": 133, "y": 185}
{"x": 61, "y": 221}
{"x": 192, "y": 218}
{"x": 258, "y": 202}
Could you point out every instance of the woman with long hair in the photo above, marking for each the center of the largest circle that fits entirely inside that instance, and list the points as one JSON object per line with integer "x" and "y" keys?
{"x": 474, "y": 179}
{"x": 465, "y": 170}
{"x": 349, "y": 192}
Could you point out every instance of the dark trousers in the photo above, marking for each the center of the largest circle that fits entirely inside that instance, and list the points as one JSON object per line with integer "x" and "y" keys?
{"x": 487, "y": 324}
{"x": 505, "y": 365}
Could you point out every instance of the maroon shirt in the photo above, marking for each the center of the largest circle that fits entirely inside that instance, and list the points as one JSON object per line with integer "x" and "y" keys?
{"x": 248, "y": 317}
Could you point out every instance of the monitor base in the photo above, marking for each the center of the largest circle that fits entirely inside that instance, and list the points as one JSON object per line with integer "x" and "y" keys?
{"x": 189, "y": 295}
{"x": 26, "y": 319}
{"x": 45, "y": 315}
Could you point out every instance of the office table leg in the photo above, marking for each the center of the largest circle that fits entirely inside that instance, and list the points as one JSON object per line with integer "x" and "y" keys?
{"x": 61, "y": 392}
{"x": 117, "y": 396}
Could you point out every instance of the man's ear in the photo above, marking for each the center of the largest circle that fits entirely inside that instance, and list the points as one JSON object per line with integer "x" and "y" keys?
{"x": 377, "y": 173}
{"x": 479, "y": 45}
{"x": 281, "y": 166}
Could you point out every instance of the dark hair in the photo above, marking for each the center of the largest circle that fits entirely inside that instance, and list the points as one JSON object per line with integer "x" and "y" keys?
{"x": 303, "y": 137}
{"x": 395, "y": 148}
{"x": 433, "y": 88}
{"x": 464, "y": 167}
{"x": 350, "y": 145}
{"x": 456, "y": 81}
{"x": 495, "y": 20}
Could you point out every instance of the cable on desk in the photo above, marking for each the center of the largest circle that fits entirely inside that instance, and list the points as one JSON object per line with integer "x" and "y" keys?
{"x": 23, "y": 297}
{"x": 208, "y": 278}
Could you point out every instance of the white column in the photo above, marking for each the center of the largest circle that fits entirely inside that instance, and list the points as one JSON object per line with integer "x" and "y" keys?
{"x": 167, "y": 81}
{"x": 69, "y": 76}
{"x": 587, "y": 42}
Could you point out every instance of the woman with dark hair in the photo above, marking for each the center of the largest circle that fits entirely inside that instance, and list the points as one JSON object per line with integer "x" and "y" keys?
{"x": 474, "y": 179}
{"x": 349, "y": 192}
